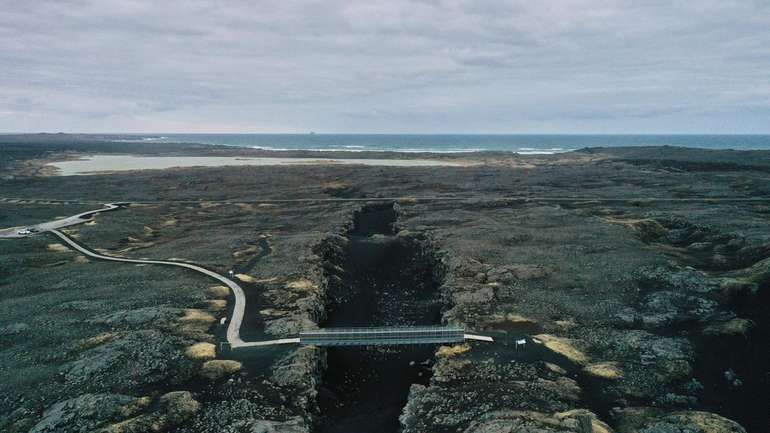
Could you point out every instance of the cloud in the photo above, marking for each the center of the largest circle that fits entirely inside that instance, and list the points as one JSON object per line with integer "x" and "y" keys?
{"x": 385, "y": 66}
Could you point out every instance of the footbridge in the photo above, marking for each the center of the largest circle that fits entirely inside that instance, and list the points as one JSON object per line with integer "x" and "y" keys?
{"x": 380, "y": 336}
{"x": 319, "y": 337}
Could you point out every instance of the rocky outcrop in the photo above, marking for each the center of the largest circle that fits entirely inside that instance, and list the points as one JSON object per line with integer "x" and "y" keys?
{"x": 464, "y": 388}
{"x": 178, "y": 406}
{"x": 287, "y": 326}
{"x": 116, "y": 413}
{"x": 473, "y": 289}
{"x": 573, "y": 421}
{"x": 14, "y": 329}
{"x": 297, "y": 303}
{"x": 240, "y": 401}
{"x": 293, "y": 425}
{"x": 708, "y": 248}
{"x": 649, "y": 367}
{"x": 138, "y": 358}
{"x": 138, "y": 317}
{"x": 87, "y": 412}
{"x": 665, "y": 309}
{"x": 691, "y": 421}
{"x": 731, "y": 327}
{"x": 655, "y": 420}
{"x": 301, "y": 370}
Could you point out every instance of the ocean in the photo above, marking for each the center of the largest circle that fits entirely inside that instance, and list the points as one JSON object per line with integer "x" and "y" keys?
{"x": 525, "y": 144}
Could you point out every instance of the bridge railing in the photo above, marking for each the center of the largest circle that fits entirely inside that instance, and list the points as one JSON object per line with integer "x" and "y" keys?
{"x": 382, "y": 335}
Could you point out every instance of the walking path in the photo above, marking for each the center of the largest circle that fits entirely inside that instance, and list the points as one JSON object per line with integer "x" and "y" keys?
{"x": 331, "y": 336}
{"x": 372, "y": 335}
{"x": 57, "y": 224}
{"x": 233, "y": 328}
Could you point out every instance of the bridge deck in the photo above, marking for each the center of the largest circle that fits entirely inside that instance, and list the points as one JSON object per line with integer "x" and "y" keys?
{"x": 382, "y": 336}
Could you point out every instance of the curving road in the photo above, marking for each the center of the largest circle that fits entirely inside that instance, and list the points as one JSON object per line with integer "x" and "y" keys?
{"x": 57, "y": 224}
{"x": 233, "y": 328}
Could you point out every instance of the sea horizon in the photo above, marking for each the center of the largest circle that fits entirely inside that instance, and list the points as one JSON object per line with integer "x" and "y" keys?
{"x": 457, "y": 143}
{"x": 440, "y": 142}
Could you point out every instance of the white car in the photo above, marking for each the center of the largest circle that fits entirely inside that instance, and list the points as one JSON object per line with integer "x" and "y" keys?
{"x": 24, "y": 232}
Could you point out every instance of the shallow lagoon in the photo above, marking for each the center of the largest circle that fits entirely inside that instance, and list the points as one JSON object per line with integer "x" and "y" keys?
{"x": 106, "y": 163}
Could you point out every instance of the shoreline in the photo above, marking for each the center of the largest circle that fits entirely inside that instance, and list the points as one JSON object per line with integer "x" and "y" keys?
{"x": 399, "y": 144}
{"x": 47, "y": 158}
{"x": 558, "y": 251}
{"x": 103, "y": 164}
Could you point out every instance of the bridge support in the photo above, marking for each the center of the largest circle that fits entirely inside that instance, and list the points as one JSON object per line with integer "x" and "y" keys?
{"x": 224, "y": 347}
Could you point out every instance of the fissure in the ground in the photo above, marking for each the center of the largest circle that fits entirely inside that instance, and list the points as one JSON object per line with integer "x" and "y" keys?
{"x": 376, "y": 278}
{"x": 733, "y": 369}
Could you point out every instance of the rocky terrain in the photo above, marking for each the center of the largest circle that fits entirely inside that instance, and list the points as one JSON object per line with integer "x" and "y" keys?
{"x": 638, "y": 282}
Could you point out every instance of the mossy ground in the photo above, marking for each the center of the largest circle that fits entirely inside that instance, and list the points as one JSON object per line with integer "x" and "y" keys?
{"x": 594, "y": 272}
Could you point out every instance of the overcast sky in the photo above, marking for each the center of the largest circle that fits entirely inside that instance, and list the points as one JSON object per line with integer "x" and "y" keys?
{"x": 388, "y": 67}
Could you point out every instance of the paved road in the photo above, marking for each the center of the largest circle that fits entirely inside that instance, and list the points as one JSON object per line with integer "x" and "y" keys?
{"x": 233, "y": 328}
{"x": 56, "y": 224}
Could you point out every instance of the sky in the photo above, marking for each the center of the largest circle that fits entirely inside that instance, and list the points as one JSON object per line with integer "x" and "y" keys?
{"x": 394, "y": 66}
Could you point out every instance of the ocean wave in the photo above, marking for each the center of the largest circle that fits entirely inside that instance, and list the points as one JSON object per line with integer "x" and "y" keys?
{"x": 137, "y": 139}
{"x": 538, "y": 149}
{"x": 542, "y": 151}
{"x": 278, "y": 149}
{"x": 358, "y": 149}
